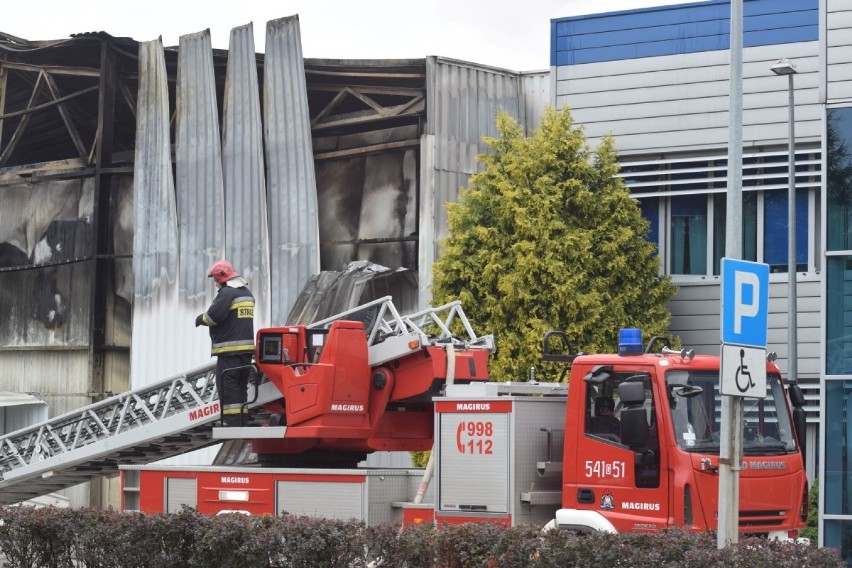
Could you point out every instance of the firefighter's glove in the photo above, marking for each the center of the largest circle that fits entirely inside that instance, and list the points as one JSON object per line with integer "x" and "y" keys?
{"x": 199, "y": 320}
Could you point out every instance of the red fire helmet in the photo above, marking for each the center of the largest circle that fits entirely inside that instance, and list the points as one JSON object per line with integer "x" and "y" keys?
{"x": 222, "y": 271}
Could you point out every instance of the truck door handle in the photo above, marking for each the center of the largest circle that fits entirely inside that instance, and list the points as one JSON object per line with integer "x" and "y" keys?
{"x": 585, "y": 496}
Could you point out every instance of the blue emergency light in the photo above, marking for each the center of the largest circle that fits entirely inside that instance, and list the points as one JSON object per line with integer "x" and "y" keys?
{"x": 630, "y": 341}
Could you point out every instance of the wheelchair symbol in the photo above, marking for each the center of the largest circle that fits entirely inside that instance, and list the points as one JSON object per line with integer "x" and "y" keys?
{"x": 744, "y": 375}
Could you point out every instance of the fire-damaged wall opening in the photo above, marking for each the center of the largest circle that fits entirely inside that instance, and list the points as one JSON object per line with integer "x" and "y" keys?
{"x": 388, "y": 142}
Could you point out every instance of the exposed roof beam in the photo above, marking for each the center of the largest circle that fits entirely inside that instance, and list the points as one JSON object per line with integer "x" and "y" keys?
{"x": 66, "y": 117}
{"x": 53, "y": 69}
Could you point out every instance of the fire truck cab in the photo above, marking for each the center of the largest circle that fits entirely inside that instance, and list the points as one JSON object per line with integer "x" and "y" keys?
{"x": 642, "y": 443}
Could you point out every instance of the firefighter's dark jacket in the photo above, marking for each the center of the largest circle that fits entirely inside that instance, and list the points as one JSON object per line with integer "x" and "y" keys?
{"x": 231, "y": 321}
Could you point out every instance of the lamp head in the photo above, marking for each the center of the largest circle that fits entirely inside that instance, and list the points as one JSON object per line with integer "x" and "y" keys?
{"x": 783, "y": 67}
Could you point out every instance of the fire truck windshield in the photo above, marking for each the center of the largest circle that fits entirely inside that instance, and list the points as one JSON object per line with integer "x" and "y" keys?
{"x": 696, "y": 415}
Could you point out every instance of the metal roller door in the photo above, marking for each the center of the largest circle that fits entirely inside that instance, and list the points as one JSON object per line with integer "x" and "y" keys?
{"x": 332, "y": 500}
{"x": 474, "y": 462}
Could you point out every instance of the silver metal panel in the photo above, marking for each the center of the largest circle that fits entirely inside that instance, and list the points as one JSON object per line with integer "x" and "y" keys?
{"x": 696, "y": 318}
{"x": 329, "y": 499}
{"x": 430, "y": 213}
{"x": 19, "y": 411}
{"x": 180, "y": 492}
{"x": 474, "y": 470}
{"x": 677, "y": 101}
{"x": 463, "y": 101}
{"x": 530, "y": 447}
{"x": 536, "y": 90}
{"x": 38, "y": 371}
{"x": 247, "y": 241}
{"x": 838, "y": 37}
{"x": 382, "y": 490}
{"x": 199, "y": 195}
{"x": 199, "y": 185}
{"x": 156, "y": 346}
{"x": 291, "y": 184}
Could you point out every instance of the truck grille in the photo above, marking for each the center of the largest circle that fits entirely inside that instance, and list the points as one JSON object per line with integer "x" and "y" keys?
{"x": 762, "y": 518}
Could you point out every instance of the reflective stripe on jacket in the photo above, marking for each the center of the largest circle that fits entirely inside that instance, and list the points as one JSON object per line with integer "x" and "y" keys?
{"x": 231, "y": 321}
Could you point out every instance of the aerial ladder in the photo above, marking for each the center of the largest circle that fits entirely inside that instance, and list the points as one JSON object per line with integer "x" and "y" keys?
{"x": 178, "y": 414}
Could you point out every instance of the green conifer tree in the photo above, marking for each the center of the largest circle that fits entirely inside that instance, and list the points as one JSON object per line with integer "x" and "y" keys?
{"x": 547, "y": 237}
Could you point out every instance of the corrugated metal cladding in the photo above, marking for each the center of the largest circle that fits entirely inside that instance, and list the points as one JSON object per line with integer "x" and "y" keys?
{"x": 19, "y": 411}
{"x": 247, "y": 242}
{"x": 291, "y": 182}
{"x": 683, "y": 28}
{"x": 218, "y": 216}
{"x": 157, "y": 338}
{"x": 463, "y": 100}
{"x": 209, "y": 215}
{"x": 200, "y": 197}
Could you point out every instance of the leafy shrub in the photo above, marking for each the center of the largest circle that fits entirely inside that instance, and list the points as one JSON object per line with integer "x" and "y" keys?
{"x": 94, "y": 538}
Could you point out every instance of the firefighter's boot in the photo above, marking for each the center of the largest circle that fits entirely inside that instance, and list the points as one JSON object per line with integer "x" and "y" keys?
{"x": 235, "y": 419}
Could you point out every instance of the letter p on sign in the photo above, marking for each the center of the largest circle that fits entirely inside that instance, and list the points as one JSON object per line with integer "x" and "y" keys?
{"x": 745, "y": 302}
{"x": 746, "y": 299}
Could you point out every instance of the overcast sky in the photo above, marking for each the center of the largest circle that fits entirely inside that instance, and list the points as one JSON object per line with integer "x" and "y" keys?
{"x": 514, "y": 34}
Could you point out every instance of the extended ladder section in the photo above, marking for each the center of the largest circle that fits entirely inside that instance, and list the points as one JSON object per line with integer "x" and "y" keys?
{"x": 177, "y": 414}
{"x": 146, "y": 424}
{"x": 390, "y": 335}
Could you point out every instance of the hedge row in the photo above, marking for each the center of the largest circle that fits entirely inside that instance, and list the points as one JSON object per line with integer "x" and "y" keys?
{"x": 96, "y": 538}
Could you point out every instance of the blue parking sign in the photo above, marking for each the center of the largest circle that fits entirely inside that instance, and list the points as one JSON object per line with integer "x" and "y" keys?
{"x": 745, "y": 302}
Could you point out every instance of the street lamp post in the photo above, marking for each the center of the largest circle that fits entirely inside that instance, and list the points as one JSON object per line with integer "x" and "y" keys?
{"x": 785, "y": 67}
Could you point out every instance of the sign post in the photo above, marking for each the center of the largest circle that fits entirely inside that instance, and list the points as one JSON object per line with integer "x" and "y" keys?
{"x": 745, "y": 314}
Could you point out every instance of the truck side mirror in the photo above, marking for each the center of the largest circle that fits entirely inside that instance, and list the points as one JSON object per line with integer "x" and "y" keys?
{"x": 797, "y": 400}
{"x": 631, "y": 393}
{"x": 634, "y": 427}
{"x": 797, "y": 396}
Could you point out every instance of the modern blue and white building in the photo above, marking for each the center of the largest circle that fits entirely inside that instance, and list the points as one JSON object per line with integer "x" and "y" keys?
{"x": 657, "y": 79}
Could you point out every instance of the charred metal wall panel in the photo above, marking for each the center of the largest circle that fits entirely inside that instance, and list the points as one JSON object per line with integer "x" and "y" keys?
{"x": 247, "y": 242}
{"x": 368, "y": 208}
{"x": 156, "y": 336}
{"x": 49, "y": 224}
{"x": 199, "y": 185}
{"x": 291, "y": 184}
{"x": 200, "y": 196}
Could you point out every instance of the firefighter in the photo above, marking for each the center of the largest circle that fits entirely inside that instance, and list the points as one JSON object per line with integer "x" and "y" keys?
{"x": 231, "y": 321}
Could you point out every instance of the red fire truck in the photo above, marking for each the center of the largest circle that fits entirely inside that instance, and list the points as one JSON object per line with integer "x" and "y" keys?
{"x": 630, "y": 443}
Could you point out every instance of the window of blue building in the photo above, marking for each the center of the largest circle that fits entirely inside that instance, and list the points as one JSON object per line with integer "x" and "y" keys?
{"x": 839, "y": 180}
{"x": 775, "y": 237}
{"x": 689, "y": 234}
{"x": 839, "y": 243}
{"x": 837, "y": 484}
{"x": 651, "y": 211}
{"x": 685, "y": 200}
